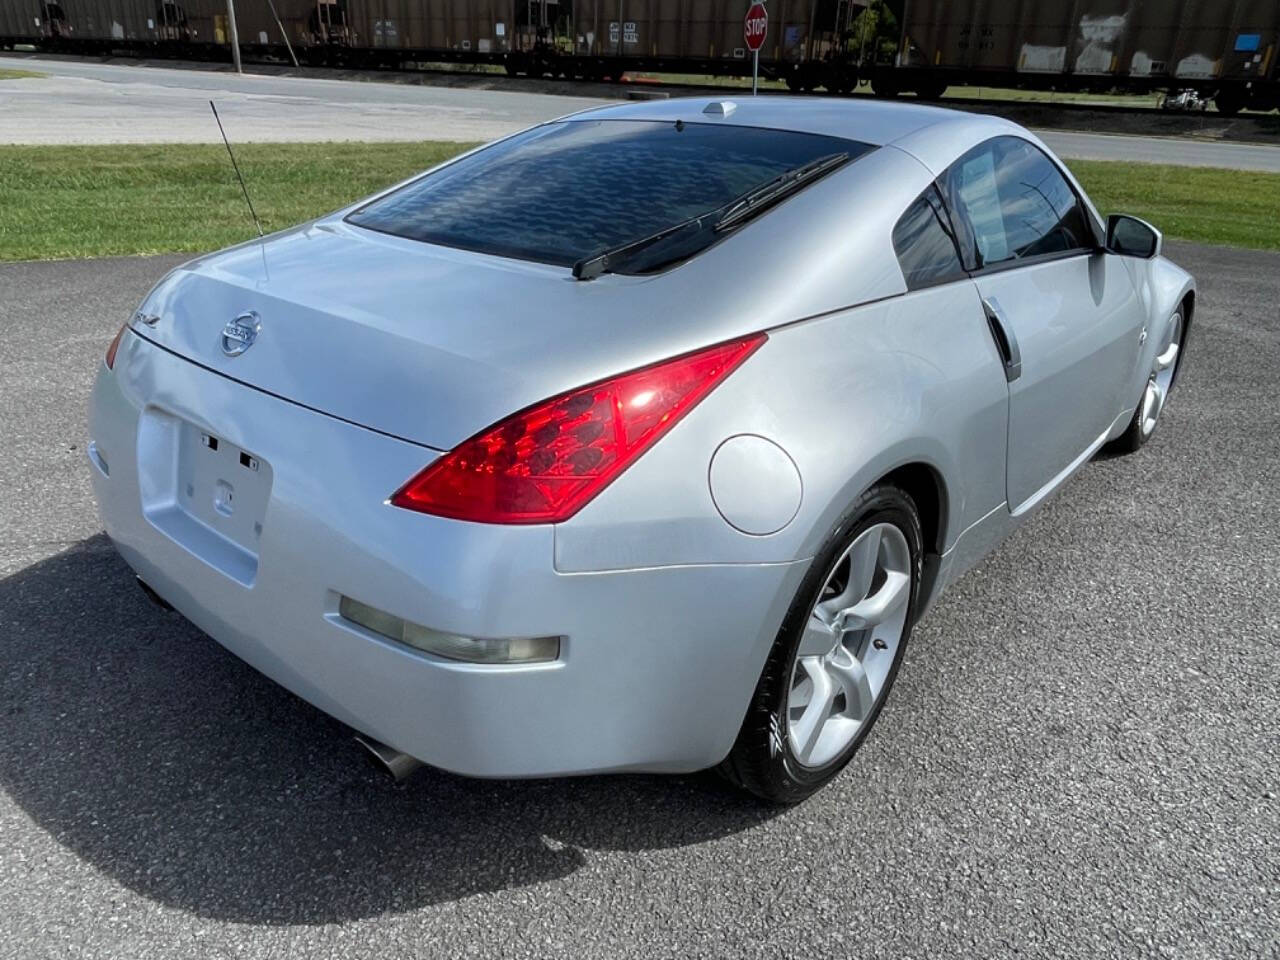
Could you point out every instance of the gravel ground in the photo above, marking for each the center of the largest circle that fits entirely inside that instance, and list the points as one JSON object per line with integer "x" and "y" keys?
{"x": 1079, "y": 760}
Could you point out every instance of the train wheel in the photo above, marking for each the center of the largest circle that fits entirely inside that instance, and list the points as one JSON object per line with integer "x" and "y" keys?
{"x": 1229, "y": 101}
{"x": 931, "y": 90}
{"x": 884, "y": 87}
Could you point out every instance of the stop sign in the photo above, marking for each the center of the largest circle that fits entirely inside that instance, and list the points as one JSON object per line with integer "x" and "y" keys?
{"x": 755, "y": 26}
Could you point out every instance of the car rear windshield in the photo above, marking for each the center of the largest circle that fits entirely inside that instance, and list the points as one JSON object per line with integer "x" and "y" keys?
{"x": 563, "y": 191}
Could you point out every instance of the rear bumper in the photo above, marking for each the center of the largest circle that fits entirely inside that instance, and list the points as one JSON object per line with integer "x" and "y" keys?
{"x": 656, "y": 670}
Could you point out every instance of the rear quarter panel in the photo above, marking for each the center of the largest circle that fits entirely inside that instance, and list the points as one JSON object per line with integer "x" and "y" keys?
{"x": 850, "y": 397}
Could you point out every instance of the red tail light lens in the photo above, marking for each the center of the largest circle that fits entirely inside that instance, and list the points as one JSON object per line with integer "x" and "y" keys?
{"x": 544, "y": 464}
{"x": 115, "y": 345}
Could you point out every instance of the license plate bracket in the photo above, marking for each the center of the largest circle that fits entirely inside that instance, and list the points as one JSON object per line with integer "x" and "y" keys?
{"x": 204, "y": 492}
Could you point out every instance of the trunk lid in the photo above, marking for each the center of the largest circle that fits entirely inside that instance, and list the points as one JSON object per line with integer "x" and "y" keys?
{"x": 424, "y": 343}
{"x": 432, "y": 344}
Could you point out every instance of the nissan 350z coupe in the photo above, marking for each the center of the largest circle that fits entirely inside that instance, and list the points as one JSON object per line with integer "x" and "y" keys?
{"x": 638, "y": 440}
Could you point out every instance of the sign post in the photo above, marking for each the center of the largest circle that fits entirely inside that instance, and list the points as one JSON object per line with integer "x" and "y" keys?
{"x": 754, "y": 29}
{"x": 235, "y": 37}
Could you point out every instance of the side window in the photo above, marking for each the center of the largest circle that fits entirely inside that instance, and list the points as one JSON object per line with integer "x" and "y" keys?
{"x": 924, "y": 245}
{"x": 1014, "y": 204}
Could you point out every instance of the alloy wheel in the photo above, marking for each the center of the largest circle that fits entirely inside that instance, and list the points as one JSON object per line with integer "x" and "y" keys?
{"x": 847, "y": 650}
{"x": 1161, "y": 379}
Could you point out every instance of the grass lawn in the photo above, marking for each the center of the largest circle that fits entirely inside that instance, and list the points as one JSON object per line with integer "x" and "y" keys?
{"x": 1235, "y": 208}
{"x": 8, "y": 74}
{"x": 72, "y": 201}
{"x": 82, "y": 201}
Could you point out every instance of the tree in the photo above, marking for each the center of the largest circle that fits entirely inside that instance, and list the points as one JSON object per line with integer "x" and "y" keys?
{"x": 873, "y": 33}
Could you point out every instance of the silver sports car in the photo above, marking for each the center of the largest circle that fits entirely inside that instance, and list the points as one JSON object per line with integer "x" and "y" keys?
{"x": 637, "y": 440}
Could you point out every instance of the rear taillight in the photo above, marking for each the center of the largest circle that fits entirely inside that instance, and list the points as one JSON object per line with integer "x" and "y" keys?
{"x": 544, "y": 464}
{"x": 115, "y": 345}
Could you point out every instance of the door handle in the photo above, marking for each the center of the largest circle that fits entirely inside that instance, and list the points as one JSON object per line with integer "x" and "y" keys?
{"x": 1005, "y": 340}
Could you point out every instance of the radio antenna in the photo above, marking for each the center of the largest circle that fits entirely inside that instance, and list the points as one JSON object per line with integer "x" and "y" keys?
{"x": 236, "y": 167}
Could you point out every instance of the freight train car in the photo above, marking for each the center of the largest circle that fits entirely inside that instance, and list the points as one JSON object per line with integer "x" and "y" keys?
{"x": 377, "y": 32}
{"x": 106, "y": 26}
{"x": 598, "y": 38}
{"x": 608, "y": 37}
{"x": 1224, "y": 48}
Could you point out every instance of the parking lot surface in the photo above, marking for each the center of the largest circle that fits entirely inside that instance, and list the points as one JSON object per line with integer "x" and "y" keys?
{"x": 1079, "y": 760}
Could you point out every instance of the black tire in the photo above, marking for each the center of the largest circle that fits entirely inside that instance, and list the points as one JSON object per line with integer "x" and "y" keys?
{"x": 884, "y": 87}
{"x": 761, "y": 761}
{"x": 1229, "y": 101}
{"x": 931, "y": 89}
{"x": 1133, "y": 439}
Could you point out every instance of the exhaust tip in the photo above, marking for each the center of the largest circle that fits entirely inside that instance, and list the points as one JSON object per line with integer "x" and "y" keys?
{"x": 388, "y": 759}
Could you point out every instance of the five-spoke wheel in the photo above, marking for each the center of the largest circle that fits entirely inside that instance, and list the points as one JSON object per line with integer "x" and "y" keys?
{"x": 1155, "y": 393}
{"x": 1161, "y": 379}
{"x": 848, "y": 645}
{"x": 836, "y": 654}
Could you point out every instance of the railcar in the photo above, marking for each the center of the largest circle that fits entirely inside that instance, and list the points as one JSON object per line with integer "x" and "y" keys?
{"x": 1227, "y": 50}
{"x": 1224, "y": 50}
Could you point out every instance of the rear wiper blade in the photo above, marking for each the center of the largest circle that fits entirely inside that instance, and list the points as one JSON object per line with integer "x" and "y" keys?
{"x": 739, "y": 209}
{"x": 760, "y": 198}
{"x": 588, "y": 268}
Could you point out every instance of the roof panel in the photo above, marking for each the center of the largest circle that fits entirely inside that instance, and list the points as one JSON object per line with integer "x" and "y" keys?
{"x": 870, "y": 121}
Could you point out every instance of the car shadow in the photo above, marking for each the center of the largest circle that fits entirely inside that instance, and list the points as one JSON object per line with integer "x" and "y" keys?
{"x": 168, "y": 764}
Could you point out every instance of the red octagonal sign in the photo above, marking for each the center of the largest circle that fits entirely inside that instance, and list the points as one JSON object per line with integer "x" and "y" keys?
{"x": 755, "y": 26}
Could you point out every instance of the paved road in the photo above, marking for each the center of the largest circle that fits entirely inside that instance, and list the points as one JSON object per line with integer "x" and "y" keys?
{"x": 90, "y": 102}
{"x": 1179, "y": 151}
{"x": 1080, "y": 758}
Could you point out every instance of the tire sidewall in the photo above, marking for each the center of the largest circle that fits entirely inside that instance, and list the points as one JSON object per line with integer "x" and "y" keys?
{"x": 1144, "y": 438}
{"x": 883, "y": 504}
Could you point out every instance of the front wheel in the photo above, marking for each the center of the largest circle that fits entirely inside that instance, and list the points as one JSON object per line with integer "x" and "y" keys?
{"x": 1155, "y": 394}
{"x": 836, "y": 655}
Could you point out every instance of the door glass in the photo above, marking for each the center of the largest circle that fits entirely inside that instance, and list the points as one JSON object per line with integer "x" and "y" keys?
{"x": 1014, "y": 203}
{"x": 979, "y": 201}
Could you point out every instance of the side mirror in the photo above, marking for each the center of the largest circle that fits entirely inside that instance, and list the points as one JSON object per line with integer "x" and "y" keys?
{"x": 1130, "y": 237}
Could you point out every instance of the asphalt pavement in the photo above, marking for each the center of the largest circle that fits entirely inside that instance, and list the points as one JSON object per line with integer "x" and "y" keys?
{"x": 81, "y": 101}
{"x": 85, "y": 101}
{"x": 1079, "y": 760}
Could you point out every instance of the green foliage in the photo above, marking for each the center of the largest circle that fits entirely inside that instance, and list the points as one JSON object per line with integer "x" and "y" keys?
{"x": 875, "y": 32}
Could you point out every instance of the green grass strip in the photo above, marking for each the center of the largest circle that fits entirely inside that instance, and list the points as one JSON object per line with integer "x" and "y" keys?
{"x": 92, "y": 201}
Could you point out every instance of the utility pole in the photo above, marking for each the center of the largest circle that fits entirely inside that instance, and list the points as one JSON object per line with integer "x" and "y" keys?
{"x": 285, "y": 36}
{"x": 235, "y": 37}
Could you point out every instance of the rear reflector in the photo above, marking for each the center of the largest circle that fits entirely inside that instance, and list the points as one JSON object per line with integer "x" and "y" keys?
{"x": 450, "y": 645}
{"x": 544, "y": 464}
